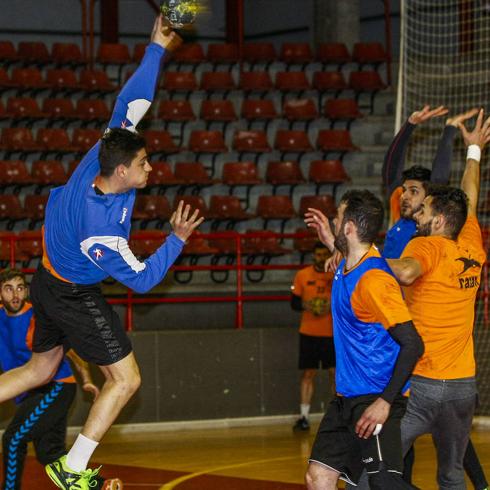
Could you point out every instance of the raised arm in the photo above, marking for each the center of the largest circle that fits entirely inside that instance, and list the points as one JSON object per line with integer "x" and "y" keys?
{"x": 475, "y": 142}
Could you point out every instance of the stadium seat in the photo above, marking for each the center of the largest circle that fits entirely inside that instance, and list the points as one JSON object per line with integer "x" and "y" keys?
{"x": 327, "y": 172}
{"x": 67, "y": 54}
{"x": 14, "y": 172}
{"x": 226, "y": 208}
{"x": 324, "y": 203}
{"x": 145, "y": 243}
{"x": 59, "y": 110}
{"x": 217, "y": 81}
{"x": 95, "y": 81}
{"x": 333, "y": 54}
{"x": 189, "y": 54}
{"x": 222, "y": 54}
{"x": 240, "y": 173}
{"x": 264, "y": 242}
{"x": 196, "y": 246}
{"x": 62, "y": 80}
{"x": 151, "y": 208}
{"x": 4, "y": 114}
{"x": 29, "y": 245}
{"x": 8, "y": 53}
{"x": 296, "y": 54}
{"x": 259, "y": 110}
{"x": 7, "y": 245}
{"x": 329, "y": 82}
{"x": 92, "y": 110}
{"x": 113, "y": 54}
{"x": 335, "y": 140}
{"x": 284, "y": 173}
{"x": 305, "y": 244}
{"x": 175, "y": 111}
{"x": 369, "y": 54}
{"x": 5, "y": 82}
{"x": 292, "y": 142}
{"x": 84, "y": 139}
{"x": 138, "y": 52}
{"x": 300, "y": 110}
{"x": 255, "y": 81}
{"x": 255, "y": 53}
{"x": 160, "y": 142}
{"x": 28, "y": 80}
{"x": 345, "y": 110}
{"x": 275, "y": 207}
{"x": 11, "y": 210}
{"x": 217, "y": 111}
{"x": 33, "y": 52}
{"x": 251, "y": 142}
{"x": 192, "y": 174}
{"x": 162, "y": 177}
{"x": 366, "y": 81}
{"x": 195, "y": 202}
{"x": 24, "y": 109}
{"x": 292, "y": 81}
{"x": 35, "y": 207}
{"x": 72, "y": 167}
{"x": 54, "y": 140}
{"x": 18, "y": 140}
{"x": 48, "y": 172}
{"x": 207, "y": 142}
{"x": 179, "y": 82}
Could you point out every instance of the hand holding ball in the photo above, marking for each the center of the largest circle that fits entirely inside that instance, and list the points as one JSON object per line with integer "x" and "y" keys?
{"x": 180, "y": 13}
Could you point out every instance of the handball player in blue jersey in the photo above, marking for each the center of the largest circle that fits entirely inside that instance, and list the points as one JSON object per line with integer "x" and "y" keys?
{"x": 86, "y": 234}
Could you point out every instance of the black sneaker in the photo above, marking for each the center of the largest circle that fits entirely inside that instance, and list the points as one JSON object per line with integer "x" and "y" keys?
{"x": 301, "y": 424}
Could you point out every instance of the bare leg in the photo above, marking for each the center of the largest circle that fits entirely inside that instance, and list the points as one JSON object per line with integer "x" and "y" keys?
{"x": 37, "y": 372}
{"x": 307, "y": 386}
{"x": 319, "y": 477}
{"x": 122, "y": 381}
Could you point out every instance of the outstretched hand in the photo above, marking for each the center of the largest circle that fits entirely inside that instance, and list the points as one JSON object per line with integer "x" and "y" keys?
{"x": 314, "y": 218}
{"x": 163, "y": 34}
{"x": 426, "y": 113}
{"x": 460, "y": 118}
{"x": 480, "y": 135}
{"x": 182, "y": 224}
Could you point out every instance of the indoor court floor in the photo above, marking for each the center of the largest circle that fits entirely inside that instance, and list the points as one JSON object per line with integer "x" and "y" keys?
{"x": 253, "y": 458}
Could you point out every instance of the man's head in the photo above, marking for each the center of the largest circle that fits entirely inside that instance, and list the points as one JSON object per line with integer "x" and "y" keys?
{"x": 320, "y": 254}
{"x": 123, "y": 155}
{"x": 359, "y": 219}
{"x": 13, "y": 290}
{"x": 414, "y": 183}
{"x": 443, "y": 212}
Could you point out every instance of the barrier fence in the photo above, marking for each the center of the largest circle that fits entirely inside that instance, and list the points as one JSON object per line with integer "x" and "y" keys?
{"x": 239, "y": 298}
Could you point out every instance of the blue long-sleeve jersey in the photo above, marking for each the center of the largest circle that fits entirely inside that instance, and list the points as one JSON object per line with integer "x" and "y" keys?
{"x": 86, "y": 234}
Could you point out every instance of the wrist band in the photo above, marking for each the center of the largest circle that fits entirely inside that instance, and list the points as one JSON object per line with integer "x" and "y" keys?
{"x": 474, "y": 153}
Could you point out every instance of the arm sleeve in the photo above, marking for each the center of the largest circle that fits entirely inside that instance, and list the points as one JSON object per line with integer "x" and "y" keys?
{"x": 411, "y": 348}
{"x": 395, "y": 158}
{"x": 424, "y": 250}
{"x": 113, "y": 255}
{"x": 138, "y": 93}
{"x": 378, "y": 298}
{"x": 441, "y": 166}
{"x": 296, "y": 302}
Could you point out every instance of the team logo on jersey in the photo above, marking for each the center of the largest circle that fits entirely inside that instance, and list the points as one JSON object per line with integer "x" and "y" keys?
{"x": 468, "y": 264}
{"x": 98, "y": 253}
{"x": 123, "y": 217}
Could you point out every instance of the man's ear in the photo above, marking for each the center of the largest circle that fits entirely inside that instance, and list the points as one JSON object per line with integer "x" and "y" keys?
{"x": 121, "y": 171}
{"x": 439, "y": 222}
{"x": 349, "y": 228}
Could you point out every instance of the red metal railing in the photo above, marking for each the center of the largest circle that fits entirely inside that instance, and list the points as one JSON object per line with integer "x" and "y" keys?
{"x": 239, "y": 298}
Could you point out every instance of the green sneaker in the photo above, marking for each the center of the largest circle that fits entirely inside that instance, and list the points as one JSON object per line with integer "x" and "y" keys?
{"x": 67, "y": 479}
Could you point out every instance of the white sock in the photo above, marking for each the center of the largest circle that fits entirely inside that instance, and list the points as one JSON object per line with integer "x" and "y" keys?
{"x": 80, "y": 453}
{"x": 305, "y": 410}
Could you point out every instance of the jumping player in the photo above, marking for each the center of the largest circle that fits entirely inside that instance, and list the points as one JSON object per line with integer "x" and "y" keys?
{"x": 86, "y": 236}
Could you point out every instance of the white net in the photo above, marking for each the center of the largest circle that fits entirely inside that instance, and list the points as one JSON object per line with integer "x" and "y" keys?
{"x": 445, "y": 59}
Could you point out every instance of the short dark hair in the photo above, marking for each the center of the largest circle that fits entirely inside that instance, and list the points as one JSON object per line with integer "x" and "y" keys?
{"x": 118, "y": 146}
{"x": 8, "y": 274}
{"x": 452, "y": 203}
{"x": 319, "y": 244}
{"x": 366, "y": 211}
{"x": 417, "y": 172}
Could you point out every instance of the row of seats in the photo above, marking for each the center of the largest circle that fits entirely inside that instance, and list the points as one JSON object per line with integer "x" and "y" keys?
{"x": 64, "y": 80}
{"x": 27, "y": 110}
{"x": 52, "y": 172}
{"x": 37, "y": 53}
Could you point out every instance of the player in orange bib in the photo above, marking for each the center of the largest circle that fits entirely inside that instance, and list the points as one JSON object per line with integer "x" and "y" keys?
{"x": 311, "y": 293}
{"x": 443, "y": 266}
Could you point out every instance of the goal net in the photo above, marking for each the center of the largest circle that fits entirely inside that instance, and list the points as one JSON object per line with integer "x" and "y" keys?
{"x": 445, "y": 60}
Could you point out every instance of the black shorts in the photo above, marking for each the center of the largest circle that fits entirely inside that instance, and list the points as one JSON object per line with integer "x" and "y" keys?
{"x": 77, "y": 317}
{"x": 338, "y": 447}
{"x": 316, "y": 352}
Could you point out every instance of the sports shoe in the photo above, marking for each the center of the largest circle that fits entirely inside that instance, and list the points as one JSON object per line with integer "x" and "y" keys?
{"x": 67, "y": 479}
{"x": 301, "y": 424}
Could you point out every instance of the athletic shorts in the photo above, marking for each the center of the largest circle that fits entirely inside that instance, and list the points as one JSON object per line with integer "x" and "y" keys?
{"x": 338, "y": 447}
{"x": 77, "y": 317}
{"x": 316, "y": 352}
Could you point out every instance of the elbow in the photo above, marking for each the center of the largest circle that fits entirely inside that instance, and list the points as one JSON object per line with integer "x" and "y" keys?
{"x": 406, "y": 276}
{"x": 419, "y": 347}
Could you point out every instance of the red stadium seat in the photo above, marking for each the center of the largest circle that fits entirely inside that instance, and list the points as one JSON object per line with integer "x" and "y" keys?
{"x": 369, "y": 54}
{"x": 89, "y": 110}
{"x": 54, "y": 140}
{"x": 8, "y": 53}
{"x": 333, "y": 53}
{"x": 4, "y": 114}
{"x": 195, "y": 202}
{"x": 28, "y": 79}
{"x": 67, "y": 54}
{"x": 150, "y": 208}
{"x": 217, "y": 81}
{"x": 72, "y": 167}
{"x": 189, "y": 54}
{"x": 147, "y": 243}
{"x": 62, "y": 80}
{"x": 24, "y": 108}
{"x": 284, "y": 173}
{"x": 217, "y": 111}
{"x": 292, "y": 142}
{"x": 306, "y": 243}
{"x": 227, "y": 208}
{"x": 296, "y": 53}
{"x": 207, "y": 142}
{"x": 160, "y": 142}
{"x": 96, "y": 81}
{"x": 113, "y": 54}
{"x": 240, "y": 173}
{"x": 11, "y": 209}
{"x": 6, "y": 245}
{"x": 162, "y": 176}
{"x": 292, "y": 81}
{"x": 33, "y": 52}
{"x": 366, "y": 81}
{"x": 139, "y": 52}
{"x": 5, "y": 81}
{"x": 226, "y": 53}
{"x": 197, "y": 245}
{"x": 300, "y": 110}
{"x": 48, "y": 172}
{"x": 275, "y": 207}
{"x": 176, "y": 111}
{"x": 335, "y": 140}
{"x": 192, "y": 173}
{"x": 264, "y": 243}
{"x": 179, "y": 81}
{"x": 325, "y": 203}
{"x": 84, "y": 139}
{"x": 342, "y": 110}
{"x": 327, "y": 172}
{"x": 59, "y": 109}
{"x": 29, "y": 245}
{"x": 251, "y": 142}
{"x": 259, "y": 110}
{"x": 255, "y": 81}
{"x": 14, "y": 172}
{"x": 329, "y": 82}
{"x": 255, "y": 53}
{"x": 35, "y": 207}
{"x": 18, "y": 140}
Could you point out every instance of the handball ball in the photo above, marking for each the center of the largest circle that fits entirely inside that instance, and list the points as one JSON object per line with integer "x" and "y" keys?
{"x": 180, "y": 13}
